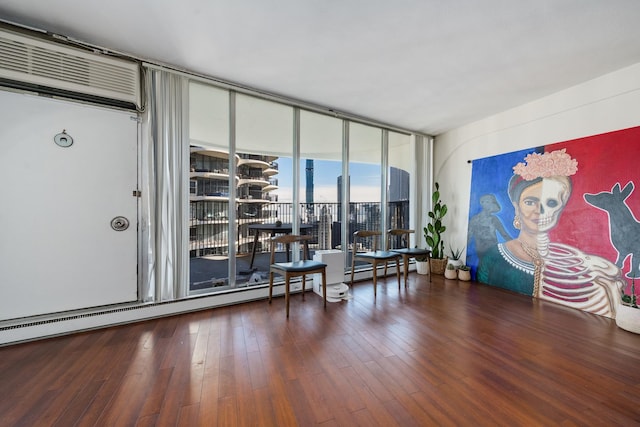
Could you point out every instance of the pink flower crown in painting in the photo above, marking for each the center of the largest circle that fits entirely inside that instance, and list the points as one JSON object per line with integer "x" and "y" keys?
{"x": 555, "y": 163}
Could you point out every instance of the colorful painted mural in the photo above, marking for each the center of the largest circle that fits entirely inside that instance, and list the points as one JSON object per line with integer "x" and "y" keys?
{"x": 557, "y": 222}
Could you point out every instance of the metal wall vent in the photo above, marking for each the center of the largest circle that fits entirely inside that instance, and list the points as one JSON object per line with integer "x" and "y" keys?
{"x": 52, "y": 65}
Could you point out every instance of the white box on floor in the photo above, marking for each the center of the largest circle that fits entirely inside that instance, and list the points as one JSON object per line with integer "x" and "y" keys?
{"x": 336, "y": 289}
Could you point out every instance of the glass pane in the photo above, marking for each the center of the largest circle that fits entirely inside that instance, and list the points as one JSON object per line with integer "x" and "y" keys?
{"x": 365, "y": 155}
{"x": 399, "y": 177}
{"x": 264, "y": 145}
{"x": 320, "y": 172}
{"x": 208, "y": 188}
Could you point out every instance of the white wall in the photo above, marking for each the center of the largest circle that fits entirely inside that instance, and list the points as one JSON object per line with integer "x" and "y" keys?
{"x": 610, "y": 102}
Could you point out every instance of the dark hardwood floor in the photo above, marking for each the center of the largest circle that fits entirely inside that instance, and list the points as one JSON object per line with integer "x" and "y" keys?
{"x": 441, "y": 353}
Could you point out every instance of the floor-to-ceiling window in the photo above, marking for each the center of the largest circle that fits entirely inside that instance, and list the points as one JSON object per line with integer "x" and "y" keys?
{"x": 320, "y": 173}
{"x": 247, "y": 176}
{"x": 210, "y": 182}
{"x": 399, "y": 170}
{"x": 264, "y": 142}
{"x": 365, "y": 180}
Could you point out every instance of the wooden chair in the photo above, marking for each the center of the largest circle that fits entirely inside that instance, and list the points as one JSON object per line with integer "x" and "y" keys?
{"x": 295, "y": 268}
{"x": 404, "y": 250}
{"x": 373, "y": 257}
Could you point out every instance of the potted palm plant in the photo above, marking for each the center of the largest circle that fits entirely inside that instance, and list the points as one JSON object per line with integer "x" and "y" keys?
{"x": 433, "y": 233}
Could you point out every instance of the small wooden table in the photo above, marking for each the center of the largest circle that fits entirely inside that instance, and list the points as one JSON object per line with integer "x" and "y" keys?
{"x": 273, "y": 229}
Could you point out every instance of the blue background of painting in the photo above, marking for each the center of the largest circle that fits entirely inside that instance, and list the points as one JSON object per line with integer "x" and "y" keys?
{"x": 491, "y": 175}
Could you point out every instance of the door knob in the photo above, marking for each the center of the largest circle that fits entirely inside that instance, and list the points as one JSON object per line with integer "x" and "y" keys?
{"x": 119, "y": 223}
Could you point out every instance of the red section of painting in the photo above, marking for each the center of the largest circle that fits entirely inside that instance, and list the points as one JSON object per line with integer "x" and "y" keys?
{"x": 603, "y": 161}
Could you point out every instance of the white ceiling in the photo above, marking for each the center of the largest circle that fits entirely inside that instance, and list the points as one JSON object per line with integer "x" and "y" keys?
{"x": 423, "y": 65}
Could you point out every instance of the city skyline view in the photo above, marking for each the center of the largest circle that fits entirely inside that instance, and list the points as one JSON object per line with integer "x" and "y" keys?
{"x": 365, "y": 181}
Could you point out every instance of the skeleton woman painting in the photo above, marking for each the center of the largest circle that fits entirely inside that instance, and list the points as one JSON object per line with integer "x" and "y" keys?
{"x": 532, "y": 263}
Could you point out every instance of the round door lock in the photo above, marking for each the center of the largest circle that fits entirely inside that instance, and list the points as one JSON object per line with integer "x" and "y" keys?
{"x": 119, "y": 223}
{"x": 63, "y": 139}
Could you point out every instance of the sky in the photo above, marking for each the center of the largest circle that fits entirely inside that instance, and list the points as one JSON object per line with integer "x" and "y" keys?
{"x": 365, "y": 181}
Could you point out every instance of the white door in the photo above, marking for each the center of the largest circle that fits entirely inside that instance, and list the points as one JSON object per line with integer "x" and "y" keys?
{"x": 58, "y": 250}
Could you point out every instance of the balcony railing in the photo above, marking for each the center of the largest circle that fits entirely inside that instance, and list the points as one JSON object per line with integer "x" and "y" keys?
{"x": 208, "y": 232}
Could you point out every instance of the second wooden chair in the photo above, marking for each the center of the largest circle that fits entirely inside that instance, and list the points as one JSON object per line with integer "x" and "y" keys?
{"x": 374, "y": 256}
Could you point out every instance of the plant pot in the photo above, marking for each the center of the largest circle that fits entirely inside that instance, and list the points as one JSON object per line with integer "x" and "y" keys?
{"x": 450, "y": 273}
{"x": 438, "y": 266}
{"x": 422, "y": 267}
{"x": 455, "y": 262}
{"x": 464, "y": 275}
{"x": 628, "y": 318}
